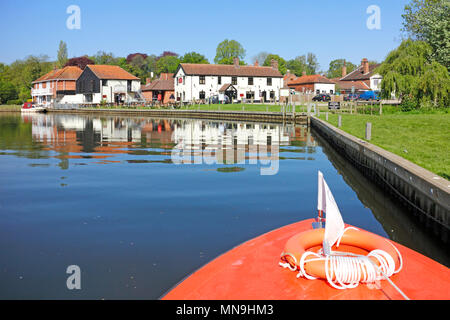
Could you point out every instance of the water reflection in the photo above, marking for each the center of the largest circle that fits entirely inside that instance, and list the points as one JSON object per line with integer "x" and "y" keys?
{"x": 128, "y": 198}
{"x": 68, "y": 138}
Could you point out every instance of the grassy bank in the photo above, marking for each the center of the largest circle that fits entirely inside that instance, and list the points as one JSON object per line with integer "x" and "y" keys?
{"x": 423, "y": 139}
{"x": 5, "y": 107}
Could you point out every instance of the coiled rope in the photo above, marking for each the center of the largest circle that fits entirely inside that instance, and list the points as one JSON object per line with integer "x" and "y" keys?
{"x": 345, "y": 270}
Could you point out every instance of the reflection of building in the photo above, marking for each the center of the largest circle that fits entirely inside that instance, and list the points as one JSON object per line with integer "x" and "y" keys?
{"x": 226, "y": 134}
{"x": 82, "y": 137}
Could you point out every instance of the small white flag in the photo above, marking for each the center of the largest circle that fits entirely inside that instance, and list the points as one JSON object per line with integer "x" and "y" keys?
{"x": 334, "y": 225}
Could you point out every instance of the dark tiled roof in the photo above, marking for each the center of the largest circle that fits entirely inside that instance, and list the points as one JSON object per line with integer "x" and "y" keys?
{"x": 229, "y": 70}
{"x": 358, "y": 73}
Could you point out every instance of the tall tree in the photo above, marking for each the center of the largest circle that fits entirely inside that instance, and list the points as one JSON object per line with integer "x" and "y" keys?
{"x": 410, "y": 71}
{"x": 131, "y": 56}
{"x": 194, "y": 57}
{"x": 80, "y": 62}
{"x": 335, "y": 69}
{"x": 102, "y": 57}
{"x": 312, "y": 65}
{"x": 167, "y": 64}
{"x": 429, "y": 21}
{"x": 227, "y": 50}
{"x": 62, "y": 54}
{"x": 260, "y": 57}
{"x": 297, "y": 65}
{"x": 281, "y": 62}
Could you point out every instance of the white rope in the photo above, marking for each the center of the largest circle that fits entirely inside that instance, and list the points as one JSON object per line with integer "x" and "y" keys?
{"x": 345, "y": 270}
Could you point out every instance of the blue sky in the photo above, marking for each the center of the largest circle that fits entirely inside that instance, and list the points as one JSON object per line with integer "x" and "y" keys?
{"x": 329, "y": 28}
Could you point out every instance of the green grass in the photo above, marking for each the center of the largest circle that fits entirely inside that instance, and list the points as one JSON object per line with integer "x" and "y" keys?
{"x": 423, "y": 139}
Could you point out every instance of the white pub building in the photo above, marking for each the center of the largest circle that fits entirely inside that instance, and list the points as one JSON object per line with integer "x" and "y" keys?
{"x": 229, "y": 83}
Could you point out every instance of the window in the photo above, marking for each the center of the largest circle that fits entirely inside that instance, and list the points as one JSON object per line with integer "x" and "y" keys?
{"x": 250, "y": 81}
{"x": 104, "y": 83}
{"x": 219, "y": 80}
{"x": 250, "y": 95}
{"x": 331, "y": 91}
{"x": 269, "y": 81}
{"x": 202, "y": 80}
{"x": 201, "y": 95}
{"x": 234, "y": 81}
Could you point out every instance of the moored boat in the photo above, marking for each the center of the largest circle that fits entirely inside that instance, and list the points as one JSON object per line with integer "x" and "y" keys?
{"x": 30, "y": 107}
{"x": 318, "y": 259}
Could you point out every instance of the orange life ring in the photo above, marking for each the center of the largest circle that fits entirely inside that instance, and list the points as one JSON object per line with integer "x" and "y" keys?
{"x": 360, "y": 241}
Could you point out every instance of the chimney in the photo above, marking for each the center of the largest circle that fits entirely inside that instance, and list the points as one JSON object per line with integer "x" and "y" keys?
{"x": 344, "y": 69}
{"x": 304, "y": 73}
{"x": 365, "y": 65}
{"x": 148, "y": 80}
{"x": 274, "y": 64}
{"x": 236, "y": 62}
{"x": 256, "y": 63}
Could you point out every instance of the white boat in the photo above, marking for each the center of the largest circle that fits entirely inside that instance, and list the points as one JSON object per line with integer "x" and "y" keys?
{"x": 29, "y": 107}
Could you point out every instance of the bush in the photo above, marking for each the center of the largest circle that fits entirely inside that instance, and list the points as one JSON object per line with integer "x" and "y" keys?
{"x": 408, "y": 104}
{"x": 14, "y": 102}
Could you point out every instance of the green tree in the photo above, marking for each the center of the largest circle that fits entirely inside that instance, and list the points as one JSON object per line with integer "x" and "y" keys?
{"x": 167, "y": 64}
{"x": 227, "y": 50}
{"x": 297, "y": 65}
{"x": 410, "y": 71}
{"x": 312, "y": 65}
{"x": 281, "y": 62}
{"x": 62, "y": 54}
{"x": 194, "y": 57}
{"x": 429, "y": 21}
{"x": 335, "y": 69}
{"x": 7, "y": 91}
{"x": 101, "y": 57}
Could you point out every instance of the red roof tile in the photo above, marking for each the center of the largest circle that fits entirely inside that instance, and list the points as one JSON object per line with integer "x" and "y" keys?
{"x": 358, "y": 73}
{"x": 111, "y": 72}
{"x": 315, "y": 78}
{"x": 66, "y": 73}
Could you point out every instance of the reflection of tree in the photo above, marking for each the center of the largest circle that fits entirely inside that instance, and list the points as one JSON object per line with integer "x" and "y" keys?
{"x": 17, "y": 135}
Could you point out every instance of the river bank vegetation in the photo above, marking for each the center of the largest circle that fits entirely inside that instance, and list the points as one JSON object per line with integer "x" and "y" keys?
{"x": 420, "y": 137}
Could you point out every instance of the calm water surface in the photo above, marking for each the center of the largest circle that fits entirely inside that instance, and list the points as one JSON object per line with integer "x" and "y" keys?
{"x": 139, "y": 203}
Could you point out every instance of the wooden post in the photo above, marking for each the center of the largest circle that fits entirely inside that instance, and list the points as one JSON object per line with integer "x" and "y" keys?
{"x": 339, "y": 121}
{"x": 368, "y": 130}
{"x": 326, "y": 116}
{"x": 381, "y": 108}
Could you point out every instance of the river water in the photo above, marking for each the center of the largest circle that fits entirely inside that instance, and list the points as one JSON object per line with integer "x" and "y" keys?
{"x": 137, "y": 203}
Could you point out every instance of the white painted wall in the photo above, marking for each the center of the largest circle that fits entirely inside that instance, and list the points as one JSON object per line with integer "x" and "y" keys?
{"x": 375, "y": 82}
{"x": 191, "y": 86}
{"x": 325, "y": 88}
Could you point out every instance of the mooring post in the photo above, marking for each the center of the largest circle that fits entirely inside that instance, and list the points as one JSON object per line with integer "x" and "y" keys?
{"x": 326, "y": 116}
{"x": 381, "y": 108}
{"x": 368, "y": 130}
{"x": 339, "y": 121}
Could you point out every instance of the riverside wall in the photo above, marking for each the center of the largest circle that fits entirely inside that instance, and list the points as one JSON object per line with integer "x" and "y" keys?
{"x": 426, "y": 195}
